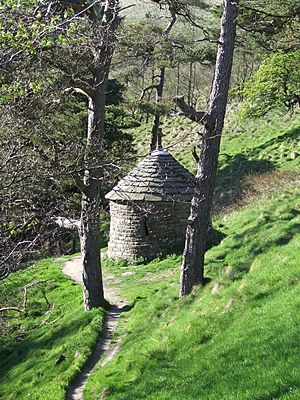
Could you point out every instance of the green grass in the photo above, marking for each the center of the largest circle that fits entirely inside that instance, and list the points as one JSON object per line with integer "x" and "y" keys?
{"x": 272, "y": 137}
{"x": 236, "y": 338}
{"x": 255, "y": 147}
{"x": 31, "y": 345}
{"x": 249, "y": 147}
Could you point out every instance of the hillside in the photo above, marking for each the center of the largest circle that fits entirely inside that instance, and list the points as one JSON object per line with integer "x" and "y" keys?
{"x": 248, "y": 148}
{"x": 42, "y": 350}
{"x": 88, "y": 89}
{"x": 235, "y": 338}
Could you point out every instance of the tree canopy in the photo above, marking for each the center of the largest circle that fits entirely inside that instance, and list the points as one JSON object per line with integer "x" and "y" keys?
{"x": 275, "y": 84}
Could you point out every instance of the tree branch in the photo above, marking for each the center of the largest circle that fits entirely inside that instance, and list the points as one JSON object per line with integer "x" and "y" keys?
{"x": 85, "y": 92}
{"x": 188, "y": 111}
{"x": 79, "y": 182}
{"x": 154, "y": 86}
{"x": 268, "y": 14}
{"x": 171, "y": 22}
{"x": 24, "y": 309}
{"x": 67, "y": 223}
{"x": 7, "y": 309}
{"x": 195, "y": 155}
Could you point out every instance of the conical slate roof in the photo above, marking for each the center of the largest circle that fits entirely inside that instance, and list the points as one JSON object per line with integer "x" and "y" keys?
{"x": 158, "y": 177}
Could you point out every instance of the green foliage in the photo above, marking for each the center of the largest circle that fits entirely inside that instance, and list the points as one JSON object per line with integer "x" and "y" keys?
{"x": 272, "y": 24}
{"x": 117, "y": 141}
{"x": 144, "y": 48}
{"x": 234, "y": 339}
{"x": 146, "y": 41}
{"x": 29, "y": 28}
{"x": 276, "y": 83}
{"x": 55, "y": 325}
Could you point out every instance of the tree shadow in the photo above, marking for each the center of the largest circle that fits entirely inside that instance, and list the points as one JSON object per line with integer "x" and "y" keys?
{"x": 234, "y": 168}
{"x": 229, "y": 187}
{"x": 291, "y": 134}
{"x": 22, "y": 350}
{"x": 240, "y": 260}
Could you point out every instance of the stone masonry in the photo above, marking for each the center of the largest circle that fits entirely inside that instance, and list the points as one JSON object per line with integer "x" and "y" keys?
{"x": 149, "y": 209}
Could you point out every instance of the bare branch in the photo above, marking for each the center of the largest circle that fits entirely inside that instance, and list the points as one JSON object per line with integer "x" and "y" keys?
{"x": 171, "y": 22}
{"x": 188, "y": 111}
{"x": 195, "y": 155}
{"x": 126, "y": 7}
{"x": 79, "y": 182}
{"x": 154, "y": 86}
{"x": 7, "y": 309}
{"x": 268, "y": 14}
{"x": 67, "y": 223}
{"x": 85, "y": 92}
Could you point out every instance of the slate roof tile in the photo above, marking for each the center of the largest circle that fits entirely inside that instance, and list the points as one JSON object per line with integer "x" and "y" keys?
{"x": 158, "y": 177}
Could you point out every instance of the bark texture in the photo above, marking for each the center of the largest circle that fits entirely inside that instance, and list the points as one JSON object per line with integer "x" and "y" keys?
{"x": 156, "y": 132}
{"x": 93, "y": 174}
{"x": 90, "y": 205}
{"x": 192, "y": 269}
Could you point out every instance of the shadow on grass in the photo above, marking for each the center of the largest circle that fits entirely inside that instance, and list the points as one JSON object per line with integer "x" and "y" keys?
{"x": 229, "y": 188}
{"x": 34, "y": 342}
{"x": 236, "y": 256}
{"x": 291, "y": 134}
{"x": 234, "y": 168}
{"x": 262, "y": 246}
{"x": 37, "y": 342}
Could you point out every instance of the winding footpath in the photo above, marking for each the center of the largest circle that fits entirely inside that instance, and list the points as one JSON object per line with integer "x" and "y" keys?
{"x": 103, "y": 350}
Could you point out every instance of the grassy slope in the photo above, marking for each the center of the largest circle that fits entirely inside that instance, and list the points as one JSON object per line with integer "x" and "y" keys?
{"x": 28, "y": 367}
{"x": 254, "y": 147}
{"x": 236, "y": 338}
{"x": 239, "y": 342}
{"x": 248, "y": 147}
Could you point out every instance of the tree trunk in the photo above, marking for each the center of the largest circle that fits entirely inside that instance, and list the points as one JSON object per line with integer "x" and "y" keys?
{"x": 192, "y": 269}
{"x": 190, "y": 83}
{"x": 90, "y": 208}
{"x": 93, "y": 174}
{"x": 156, "y": 132}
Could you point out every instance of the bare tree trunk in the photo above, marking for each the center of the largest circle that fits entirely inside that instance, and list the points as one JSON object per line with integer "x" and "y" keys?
{"x": 156, "y": 133}
{"x": 190, "y": 83}
{"x": 178, "y": 79}
{"x": 93, "y": 174}
{"x": 90, "y": 206}
{"x": 192, "y": 269}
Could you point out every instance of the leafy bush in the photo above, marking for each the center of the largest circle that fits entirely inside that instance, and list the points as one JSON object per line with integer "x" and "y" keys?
{"x": 276, "y": 83}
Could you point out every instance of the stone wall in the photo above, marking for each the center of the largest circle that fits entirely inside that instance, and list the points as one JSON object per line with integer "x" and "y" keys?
{"x": 146, "y": 230}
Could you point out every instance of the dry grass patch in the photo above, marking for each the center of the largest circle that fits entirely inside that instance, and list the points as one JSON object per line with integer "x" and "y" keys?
{"x": 258, "y": 186}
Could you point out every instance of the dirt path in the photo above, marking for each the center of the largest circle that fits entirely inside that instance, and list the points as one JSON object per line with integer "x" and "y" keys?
{"x": 103, "y": 349}
{"x": 73, "y": 269}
